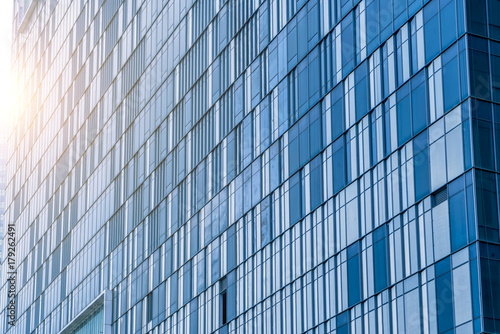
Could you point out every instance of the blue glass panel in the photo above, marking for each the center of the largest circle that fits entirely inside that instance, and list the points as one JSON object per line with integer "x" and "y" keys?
{"x": 354, "y": 284}
{"x": 302, "y": 33}
{"x": 380, "y": 258}
{"x": 372, "y": 26}
{"x": 495, "y": 78}
{"x": 348, "y": 46}
{"x": 422, "y": 175}
{"x": 315, "y": 132}
{"x": 487, "y": 214}
{"x": 292, "y": 45}
{"x": 444, "y": 300}
{"x": 361, "y": 90}
{"x": 339, "y": 172}
{"x": 316, "y": 181}
{"x": 494, "y": 19}
{"x": 479, "y": 69}
{"x": 343, "y": 323}
{"x": 337, "y": 111}
{"x": 448, "y": 25}
{"x": 483, "y": 143}
{"x": 476, "y": 14}
{"x": 404, "y": 120}
{"x": 432, "y": 47}
{"x": 451, "y": 83}
{"x": 419, "y": 107}
{"x": 314, "y": 78}
{"x": 295, "y": 199}
{"x": 458, "y": 220}
{"x": 293, "y": 149}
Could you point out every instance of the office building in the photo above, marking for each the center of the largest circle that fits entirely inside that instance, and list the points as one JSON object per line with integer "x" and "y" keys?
{"x": 3, "y": 162}
{"x": 255, "y": 166}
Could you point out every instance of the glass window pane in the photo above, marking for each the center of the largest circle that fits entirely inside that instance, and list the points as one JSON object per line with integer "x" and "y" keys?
{"x": 353, "y": 273}
{"x": 454, "y": 153}
{"x": 458, "y": 221}
{"x": 431, "y": 30}
{"x": 404, "y": 120}
{"x": 451, "y": 83}
{"x": 445, "y": 303}
{"x": 380, "y": 258}
{"x": 419, "y": 108}
{"x": 422, "y": 182}
{"x": 295, "y": 199}
{"x": 438, "y": 164}
{"x": 448, "y": 25}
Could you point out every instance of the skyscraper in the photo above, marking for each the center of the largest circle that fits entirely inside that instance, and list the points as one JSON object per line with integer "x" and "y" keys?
{"x": 3, "y": 161}
{"x": 254, "y": 166}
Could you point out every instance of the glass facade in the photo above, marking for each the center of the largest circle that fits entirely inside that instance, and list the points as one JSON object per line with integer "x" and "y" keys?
{"x": 257, "y": 166}
{"x": 3, "y": 162}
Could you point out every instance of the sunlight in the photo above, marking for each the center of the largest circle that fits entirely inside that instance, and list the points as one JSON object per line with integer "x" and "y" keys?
{"x": 5, "y": 63}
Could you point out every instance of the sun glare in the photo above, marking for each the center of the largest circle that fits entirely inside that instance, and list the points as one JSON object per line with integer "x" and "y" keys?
{"x": 5, "y": 63}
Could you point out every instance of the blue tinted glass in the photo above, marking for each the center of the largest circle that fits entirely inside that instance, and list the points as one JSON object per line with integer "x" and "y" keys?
{"x": 348, "y": 46}
{"x": 494, "y": 19}
{"x": 399, "y": 7}
{"x": 385, "y": 14}
{"x": 458, "y": 220}
{"x": 419, "y": 108}
{"x": 314, "y": 80}
{"x": 343, "y": 323}
{"x": 188, "y": 292}
{"x": 316, "y": 137}
{"x": 387, "y": 130}
{"x": 354, "y": 284}
{"x": 474, "y": 283}
{"x": 445, "y": 302}
{"x": 283, "y": 107}
{"x": 422, "y": 176}
{"x": 313, "y": 24}
{"x": 231, "y": 248}
{"x": 456, "y": 186}
{"x": 451, "y": 83}
{"x": 495, "y": 78}
{"x": 316, "y": 180}
{"x": 265, "y": 126}
{"x": 404, "y": 120}
{"x": 338, "y": 157}
{"x": 497, "y": 145}
{"x": 448, "y": 25}
{"x": 443, "y": 266}
{"x": 361, "y": 98}
{"x": 295, "y": 199}
{"x": 215, "y": 265}
{"x": 471, "y": 213}
{"x": 302, "y": 32}
{"x": 304, "y": 147}
{"x": 467, "y": 145}
{"x": 479, "y": 74}
{"x": 303, "y": 88}
{"x": 293, "y": 149}
{"x": 476, "y": 14}
{"x": 413, "y": 6}
{"x": 173, "y": 292}
{"x": 372, "y": 26}
{"x": 482, "y": 133}
{"x": 337, "y": 111}
{"x": 432, "y": 47}
{"x": 487, "y": 214}
{"x": 275, "y": 166}
{"x": 292, "y": 46}
{"x": 380, "y": 258}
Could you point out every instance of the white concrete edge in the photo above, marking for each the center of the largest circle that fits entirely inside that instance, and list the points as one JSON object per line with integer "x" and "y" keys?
{"x": 105, "y": 298}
